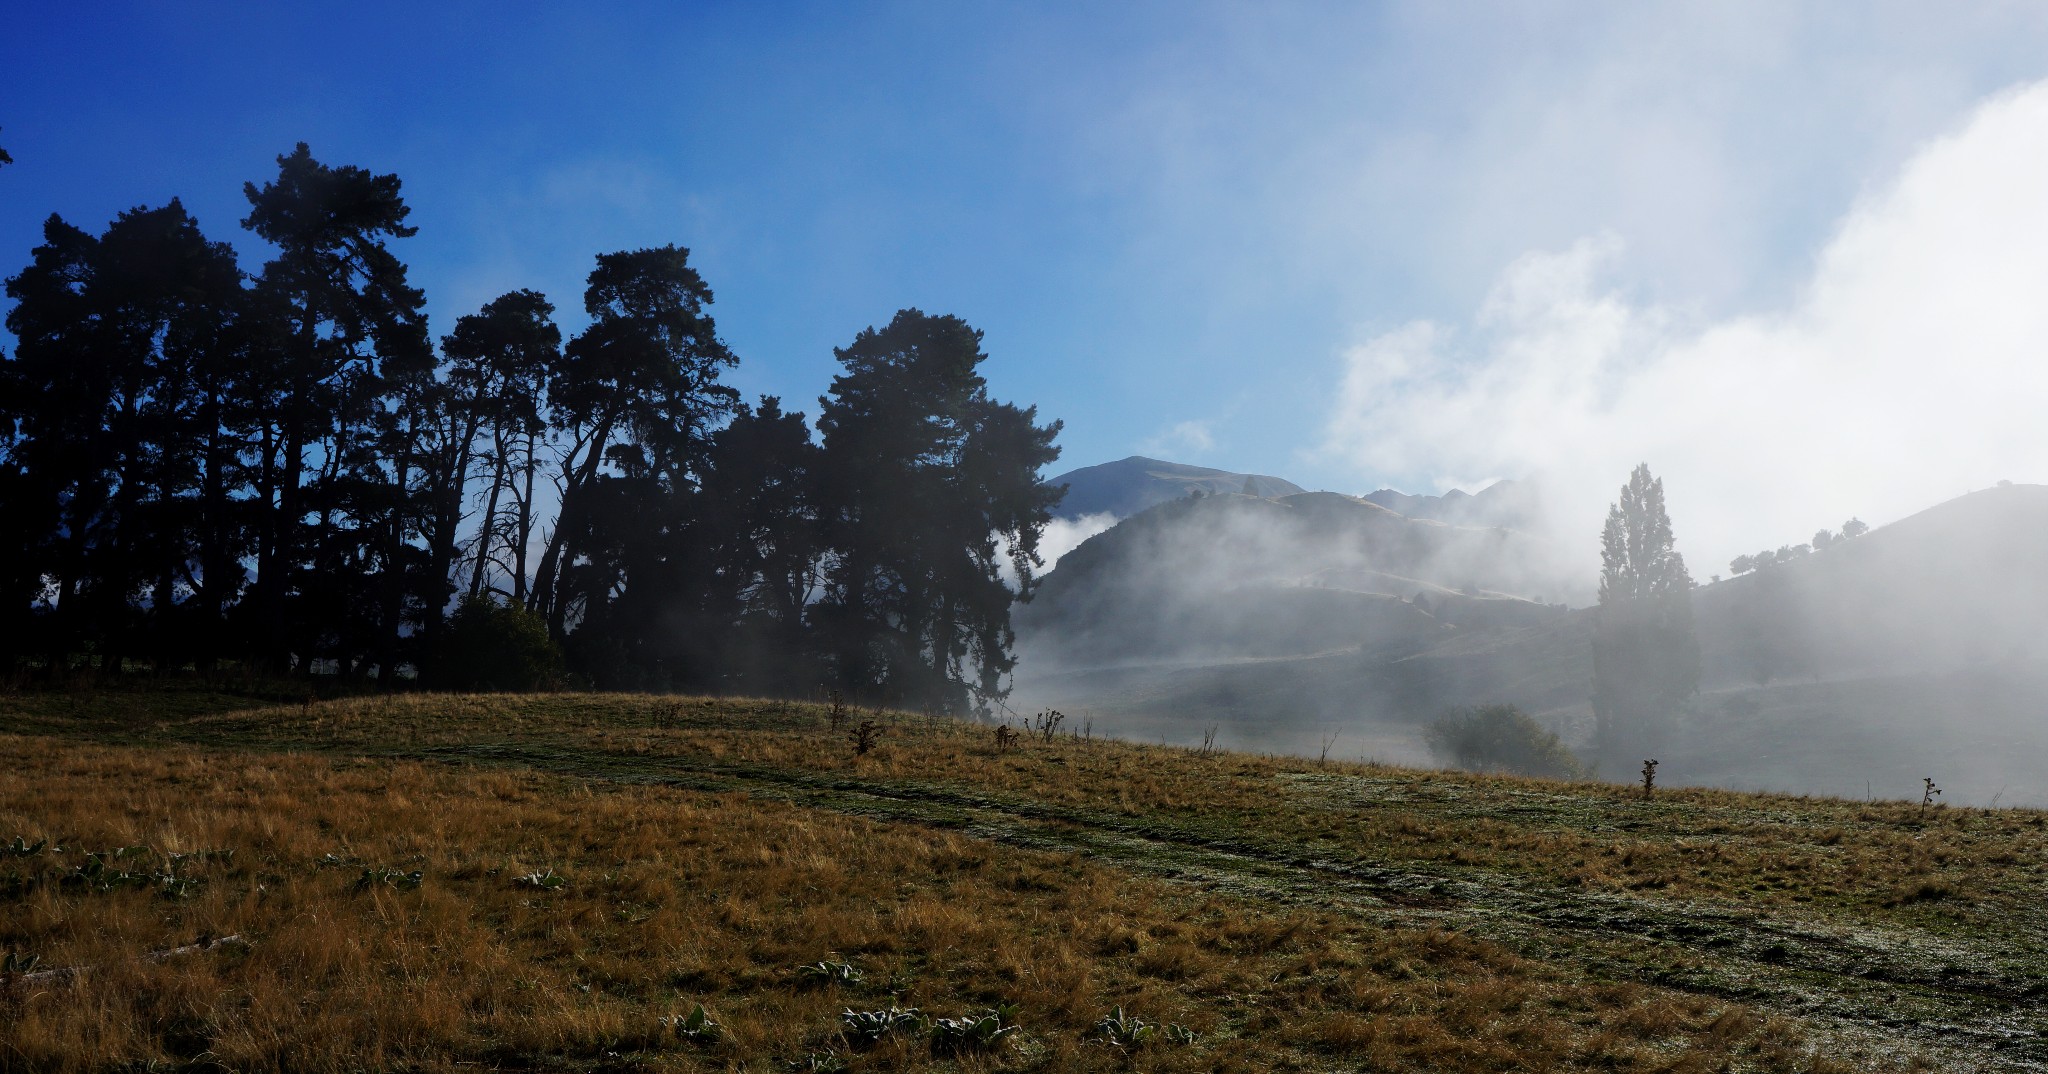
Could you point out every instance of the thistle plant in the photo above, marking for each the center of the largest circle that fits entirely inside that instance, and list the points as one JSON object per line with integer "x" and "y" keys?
{"x": 393, "y": 878}
{"x": 696, "y": 1027}
{"x": 865, "y": 737}
{"x": 545, "y": 881}
{"x": 980, "y": 1031}
{"x": 867, "y": 1027}
{"x": 1120, "y": 1030}
{"x": 1927, "y": 794}
{"x": 1649, "y": 777}
{"x": 1126, "y": 1032}
{"x": 830, "y": 973}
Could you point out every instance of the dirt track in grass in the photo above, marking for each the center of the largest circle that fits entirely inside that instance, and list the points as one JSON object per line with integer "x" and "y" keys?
{"x": 1842, "y": 935}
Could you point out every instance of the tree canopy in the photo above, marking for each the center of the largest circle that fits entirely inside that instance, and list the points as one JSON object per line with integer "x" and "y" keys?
{"x": 931, "y": 488}
{"x": 202, "y": 468}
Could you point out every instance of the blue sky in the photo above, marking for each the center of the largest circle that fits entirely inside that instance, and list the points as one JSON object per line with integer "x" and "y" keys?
{"x": 1183, "y": 226}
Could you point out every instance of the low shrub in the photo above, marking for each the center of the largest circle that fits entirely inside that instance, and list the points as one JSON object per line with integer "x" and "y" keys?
{"x": 497, "y": 647}
{"x": 1499, "y": 738}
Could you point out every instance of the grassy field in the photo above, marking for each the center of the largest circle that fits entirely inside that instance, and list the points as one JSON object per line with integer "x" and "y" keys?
{"x": 197, "y": 880}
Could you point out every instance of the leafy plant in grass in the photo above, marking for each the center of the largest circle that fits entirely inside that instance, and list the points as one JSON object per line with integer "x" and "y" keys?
{"x": 390, "y": 878}
{"x": 867, "y": 1027}
{"x": 1120, "y": 1030}
{"x": 695, "y": 1027}
{"x": 22, "y": 848}
{"x": 830, "y": 973}
{"x": 546, "y": 880}
{"x": 1490, "y": 738}
{"x": 1128, "y": 1032}
{"x": 818, "y": 1063}
{"x": 101, "y": 873}
{"x": 981, "y": 1031}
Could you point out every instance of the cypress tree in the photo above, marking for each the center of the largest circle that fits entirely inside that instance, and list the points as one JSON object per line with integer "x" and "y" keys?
{"x": 1646, "y": 658}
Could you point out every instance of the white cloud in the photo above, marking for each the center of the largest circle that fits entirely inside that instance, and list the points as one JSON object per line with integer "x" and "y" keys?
{"x": 1911, "y": 367}
{"x": 1061, "y": 536}
{"x": 1183, "y": 439}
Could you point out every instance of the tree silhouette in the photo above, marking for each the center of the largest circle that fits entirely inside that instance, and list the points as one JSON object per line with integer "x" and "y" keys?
{"x": 501, "y": 361}
{"x": 928, "y": 482}
{"x": 636, "y": 400}
{"x": 196, "y": 465}
{"x": 761, "y": 521}
{"x": 334, "y": 466}
{"x": 117, "y": 394}
{"x": 1646, "y": 659}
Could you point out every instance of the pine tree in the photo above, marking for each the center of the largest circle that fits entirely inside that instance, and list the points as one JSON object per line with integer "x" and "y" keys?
{"x": 1646, "y": 659}
{"x": 930, "y": 485}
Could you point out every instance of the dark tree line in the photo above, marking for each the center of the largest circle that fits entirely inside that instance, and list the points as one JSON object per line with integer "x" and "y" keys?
{"x": 203, "y": 466}
{"x": 1822, "y": 540}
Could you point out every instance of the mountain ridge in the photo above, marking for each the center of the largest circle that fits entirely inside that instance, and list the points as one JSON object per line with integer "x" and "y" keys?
{"x": 1130, "y": 485}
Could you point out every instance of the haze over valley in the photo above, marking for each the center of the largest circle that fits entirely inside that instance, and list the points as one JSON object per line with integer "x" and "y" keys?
{"x": 1286, "y": 619}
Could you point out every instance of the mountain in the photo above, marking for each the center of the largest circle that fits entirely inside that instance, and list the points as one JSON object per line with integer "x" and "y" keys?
{"x": 1503, "y": 503}
{"x": 1131, "y": 485}
{"x": 1919, "y": 649}
{"x": 1227, "y": 576}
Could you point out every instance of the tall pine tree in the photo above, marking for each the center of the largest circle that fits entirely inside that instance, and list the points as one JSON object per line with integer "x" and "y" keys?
{"x": 930, "y": 486}
{"x": 1646, "y": 659}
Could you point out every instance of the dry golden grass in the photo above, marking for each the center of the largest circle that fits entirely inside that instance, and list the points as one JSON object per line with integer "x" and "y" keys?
{"x": 1872, "y": 861}
{"x": 673, "y": 898}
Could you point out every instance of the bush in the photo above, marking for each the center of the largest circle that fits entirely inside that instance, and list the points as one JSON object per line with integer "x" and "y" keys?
{"x": 492, "y": 646}
{"x": 1499, "y": 738}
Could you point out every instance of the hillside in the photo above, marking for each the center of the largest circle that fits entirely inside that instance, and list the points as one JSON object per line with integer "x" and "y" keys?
{"x": 1229, "y": 576}
{"x": 1129, "y": 486}
{"x": 560, "y": 881}
{"x": 1915, "y": 650}
{"x": 1503, "y": 503}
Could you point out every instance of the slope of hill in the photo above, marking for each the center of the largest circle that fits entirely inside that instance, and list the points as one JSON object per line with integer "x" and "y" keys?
{"x": 1918, "y": 649}
{"x": 1128, "y": 486}
{"x": 559, "y": 881}
{"x": 1229, "y": 576}
{"x": 1503, "y": 503}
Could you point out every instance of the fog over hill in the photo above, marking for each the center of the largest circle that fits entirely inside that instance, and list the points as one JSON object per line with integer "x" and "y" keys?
{"x": 1918, "y": 649}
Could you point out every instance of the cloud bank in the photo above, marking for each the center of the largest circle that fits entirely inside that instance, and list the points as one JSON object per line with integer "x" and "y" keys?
{"x": 1910, "y": 367}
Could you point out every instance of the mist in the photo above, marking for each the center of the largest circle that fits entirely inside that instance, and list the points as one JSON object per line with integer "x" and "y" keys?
{"x": 1905, "y": 368}
{"x": 1898, "y": 383}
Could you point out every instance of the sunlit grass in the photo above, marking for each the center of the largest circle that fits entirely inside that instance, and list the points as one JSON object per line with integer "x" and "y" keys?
{"x": 674, "y": 893}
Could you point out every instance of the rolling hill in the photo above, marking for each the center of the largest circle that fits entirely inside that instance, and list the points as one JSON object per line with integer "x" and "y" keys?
{"x": 1918, "y": 649}
{"x": 1129, "y": 486}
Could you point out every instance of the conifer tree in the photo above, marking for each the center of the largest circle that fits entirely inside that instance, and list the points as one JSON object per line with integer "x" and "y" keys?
{"x": 932, "y": 485}
{"x": 1646, "y": 659}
